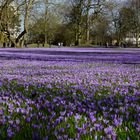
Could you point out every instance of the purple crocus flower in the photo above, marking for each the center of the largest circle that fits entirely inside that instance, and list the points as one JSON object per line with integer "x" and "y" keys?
{"x": 92, "y": 118}
{"x": 9, "y": 132}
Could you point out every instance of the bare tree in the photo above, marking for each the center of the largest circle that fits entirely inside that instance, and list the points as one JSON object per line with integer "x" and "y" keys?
{"x": 135, "y": 5}
{"x": 76, "y": 17}
{"x": 26, "y": 5}
{"x": 92, "y": 7}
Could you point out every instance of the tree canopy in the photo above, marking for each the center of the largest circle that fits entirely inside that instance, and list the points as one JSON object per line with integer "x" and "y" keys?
{"x": 73, "y": 22}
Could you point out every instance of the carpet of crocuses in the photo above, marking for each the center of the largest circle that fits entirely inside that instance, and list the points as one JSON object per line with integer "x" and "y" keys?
{"x": 70, "y": 94}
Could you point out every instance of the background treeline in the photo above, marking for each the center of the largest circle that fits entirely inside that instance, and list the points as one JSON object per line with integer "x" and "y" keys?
{"x": 71, "y": 22}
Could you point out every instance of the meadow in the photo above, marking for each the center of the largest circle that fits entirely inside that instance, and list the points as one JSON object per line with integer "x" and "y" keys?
{"x": 51, "y": 95}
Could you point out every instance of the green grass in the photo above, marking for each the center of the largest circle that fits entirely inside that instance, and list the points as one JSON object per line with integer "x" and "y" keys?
{"x": 34, "y": 45}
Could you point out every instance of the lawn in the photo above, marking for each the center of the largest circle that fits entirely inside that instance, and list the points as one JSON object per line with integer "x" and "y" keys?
{"x": 52, "y": 96}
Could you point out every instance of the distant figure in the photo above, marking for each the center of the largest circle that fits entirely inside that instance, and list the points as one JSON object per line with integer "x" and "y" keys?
{"x": 43, "y": 45}
{"x": 12, "y": 45}
{"x": 4, "y": 44}
{"x": 107, "y": 45}
{"x": 124, "y": 45}
{"x": 62, "y": 44}
{"x": 59, "y": 44}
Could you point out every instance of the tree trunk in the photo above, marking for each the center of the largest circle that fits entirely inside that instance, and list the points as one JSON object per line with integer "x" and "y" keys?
{"x": 137, "y": 40}
{"x": 78, "y": 36}
{"x": 76, "y": 39}
{"x": 17, "y": 42}
{"x": 46, "y": 15}
{"x": 20, "y": 39}
{"x": 88, "y": 22}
